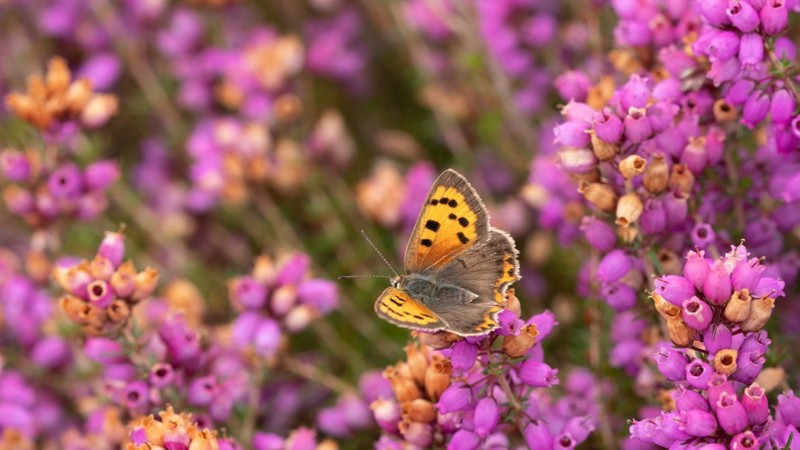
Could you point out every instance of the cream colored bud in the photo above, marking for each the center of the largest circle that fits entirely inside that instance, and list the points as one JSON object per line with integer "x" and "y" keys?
{"x": 512, "y": 302}
{"x": 656, "y": 174}
{"x": 681, "y": 179}
{"x": 599, "y": 194}
{"x": 99, "y": 109}
{"x": 604, "y": 151}
{"x": 632, "y": 166}
{"x": 77, "y": 96}
{"x": 671, "y": 264}
{"x": 725, "y": 361}
{"x": 629, "y": 208}
{"x": 771, "y": 378}
{"x": 679, "y": 333}
{"x": 627, "y": 234}
{"x": 760, "y": 312}
{"x": 738, "y": 307}
{"x": 58, "y": 75}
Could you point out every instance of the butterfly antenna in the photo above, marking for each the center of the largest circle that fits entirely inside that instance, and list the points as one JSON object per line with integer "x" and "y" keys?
{"x": 364, "y": 233}
{"x": 342, "y": 277}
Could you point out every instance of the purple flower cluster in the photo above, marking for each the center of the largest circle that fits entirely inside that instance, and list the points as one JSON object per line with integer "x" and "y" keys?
{"x": 455, "y": 396}
{"x": 278, "y": 297}
{"x": 717, "y": 308}
{"x": 101, "y": 293}
{"x": 42, "y": 191}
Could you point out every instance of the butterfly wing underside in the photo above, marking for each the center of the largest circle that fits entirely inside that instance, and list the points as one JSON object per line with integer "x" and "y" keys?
{"x": 399, "y": 308}
{"x": 486, "y": 269}
{"x": 452, "y": 220}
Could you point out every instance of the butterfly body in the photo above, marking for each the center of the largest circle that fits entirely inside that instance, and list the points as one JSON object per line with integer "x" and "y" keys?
{"x": 457, "y": 266}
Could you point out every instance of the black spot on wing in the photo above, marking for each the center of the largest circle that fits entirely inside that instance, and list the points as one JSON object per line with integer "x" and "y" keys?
{"x": 394, "y": 300}
{"x": 432, "y": 225}
{"x": 452, "y": 216}
{"x": 452, "y": 203}
{"x": 444, "y": 200}
{"x": 426, "y": 242}
{"x": 463, "y": 239}
{"x": 434, "y": 202}
{"x": 463, "y": 221}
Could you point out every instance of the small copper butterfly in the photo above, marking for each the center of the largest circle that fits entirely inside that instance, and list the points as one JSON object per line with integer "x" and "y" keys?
{"x": 457, "y": 267}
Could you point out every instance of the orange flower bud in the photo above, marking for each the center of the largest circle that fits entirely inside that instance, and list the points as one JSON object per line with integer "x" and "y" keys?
{"x": 656, "y": 174}
{"x": 124, "y": 280}
{"x": 724, "y": 112}
{"x": 419, "y": 410}
{"x": 671, "y": 264}
{"x": 437, "y": 377}
{"x": 145, "y": 284}
{"x": 665, "y": 308}
{"x": 632, "y": 166}
{"x": 417, "y": 362}
{"x": 101, "y": 268}
{"x": 58, "y": 75}
{"x": 738, "y": 307}
{"x": 725, "y": 361}
{"x": 118, "y": 312}
{"x": 437, "y": 341}
{"x": 405, "y": 390}
{"x": 512, "y": 302}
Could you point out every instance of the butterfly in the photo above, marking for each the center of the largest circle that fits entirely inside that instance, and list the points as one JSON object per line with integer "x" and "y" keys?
{"x": 457, "y": 267}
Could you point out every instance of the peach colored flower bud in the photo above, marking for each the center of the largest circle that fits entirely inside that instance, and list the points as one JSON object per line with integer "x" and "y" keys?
{"x": 592, "y": 176}
{"x": 724, "y": 112}
{"x": 99, "y": 109}
{"x": 760, "y": 312}
{"x": 123, "y": 281}
{"x": 599, "y": 194}
{"x": 405, "y": 390}
{"x": 665, "y": 308}
{"x": 604, "y": 151}
{"x": 327, "y": 444}
{"x": 300, "y": 317}
{"x": 627, "y": 234}
{"x": 419, "y": 410}
{"x": 58, "y": 76}
{"x": 629, "y": 208}
{"x": 738, "y": 307}
{"x": 75, "y": 308}
{"x": 417, "y": 362}
{"x": 725, "y": 361}
{"x": 679, "y": 333}
{"x": 38, "y": 266}
{"x": 101, "y": 268}
{"x": 517, "y": 346}
{"x": 656, "y": 174}
{"x": 681, "y": 179}
{"x": 183, "y": 296}
{"x": 437, "y": 377}
{"x": 771, "y": 378}
{"x": 632, "y": 166}
{"x": 204, "y": 440}
{"x": 77, "y": 96}
{"x": 512, "y": 302}
{"x": 264, "y": 270}
{"x": 119, "y": 311}
{"x": 283, "y": 299}
{"x": 145, "y": 283}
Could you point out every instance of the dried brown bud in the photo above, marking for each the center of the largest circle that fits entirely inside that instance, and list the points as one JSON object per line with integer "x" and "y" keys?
{"x": 419, "y": 410}
{"x": 738, "y": 307}
{"x": 405, "y": 390}
{"x": 665, "y": 308}
{"x": 679, "y": 333}
{"x": 437, "y": 341}
{"x": 682, "y": 179}
{"x": 632, "y": 166}
{"x": 512, "y": 302}
{"x": 671, "y": 264}
{"x": 604, "y": 151}
{"x": 417, "y": 362}
{"x": 99, "y": 109}
{"x": 183, "y": 296}
{"x": 58, "y": 75}
{"x": 288, "y": 107}
{"x": 300, "y": 317}
{"x": 601, "y": 93}
{"x": 38, "y": 266}
{"x": 725, "y": 361}
{"x": 437, "y": 377}
{"x": 629, "y": 208}
{"x": 771, "y": 378}
{"x": 592, "y": 176}
{"x": 517, "y": 346}
{"x": 627, "y": 234}
{"x": 327, "y": 444}
{"x": 656, "y": 174}
{"x": 77, "y": 96}
{"x": 599, "y": 194}
{"x": 724, "y": 112}
{"x": 538, "y": 248}
{"x": 760, "y": 312}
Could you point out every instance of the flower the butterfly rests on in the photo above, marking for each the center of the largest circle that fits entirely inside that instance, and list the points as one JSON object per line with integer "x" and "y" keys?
{"x": 457, "y": 267}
